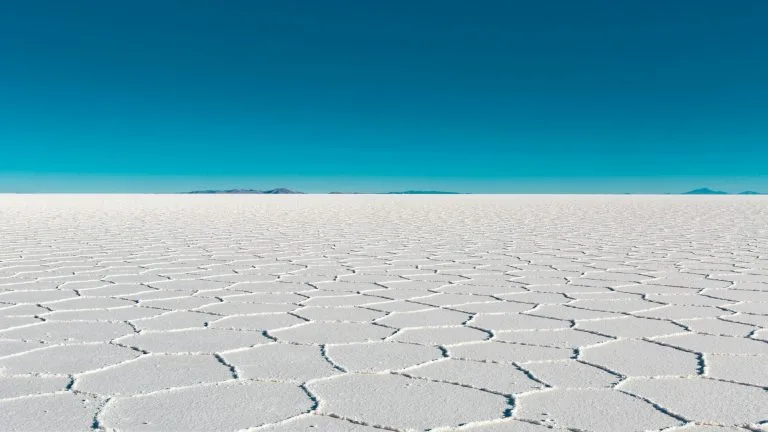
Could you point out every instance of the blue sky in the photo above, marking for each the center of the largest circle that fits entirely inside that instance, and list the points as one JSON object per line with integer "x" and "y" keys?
{"x": 492, "y": 96}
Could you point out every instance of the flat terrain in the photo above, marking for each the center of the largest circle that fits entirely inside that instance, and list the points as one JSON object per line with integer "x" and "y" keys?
{"x": 363, "y": 313}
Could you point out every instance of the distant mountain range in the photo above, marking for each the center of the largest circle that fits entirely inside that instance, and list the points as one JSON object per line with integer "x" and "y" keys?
{"x": 708, "y": 191}
{"x": 705, "y": 191}
{"x": 281, "y": 191}
{"x": 284, "y": 191}
{"x": 278, "y": 191}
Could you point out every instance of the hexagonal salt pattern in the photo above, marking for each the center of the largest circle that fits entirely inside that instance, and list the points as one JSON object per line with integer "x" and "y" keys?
{"x": 365, "y": 313}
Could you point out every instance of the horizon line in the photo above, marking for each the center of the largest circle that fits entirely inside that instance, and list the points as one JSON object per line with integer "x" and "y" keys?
{"x": 390, "y": 193}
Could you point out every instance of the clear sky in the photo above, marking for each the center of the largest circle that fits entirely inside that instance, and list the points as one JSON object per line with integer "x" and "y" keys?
{"x": 472, "y": 96}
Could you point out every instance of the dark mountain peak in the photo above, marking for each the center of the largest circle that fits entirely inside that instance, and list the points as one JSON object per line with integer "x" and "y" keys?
{"x": 750, "y": 193}
{"x": 705, "y": 191}
{"x": 281, "y": 191}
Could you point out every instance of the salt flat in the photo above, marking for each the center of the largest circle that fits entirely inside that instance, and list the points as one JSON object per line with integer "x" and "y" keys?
{"x": 363, "y": 313}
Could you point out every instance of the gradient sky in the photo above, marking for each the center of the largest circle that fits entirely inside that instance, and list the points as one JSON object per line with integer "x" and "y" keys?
{"x": 488, "y": 96}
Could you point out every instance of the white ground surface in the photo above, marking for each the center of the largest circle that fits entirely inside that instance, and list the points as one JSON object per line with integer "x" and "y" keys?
{"x": 360, "y": 313}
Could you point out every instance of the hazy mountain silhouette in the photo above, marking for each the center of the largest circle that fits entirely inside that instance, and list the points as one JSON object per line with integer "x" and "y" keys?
{"x": 276, "y": 191}
{"x": 704, "y": 191}
{"x": 282, "y": 191}
{"x": 750, "y": 193}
